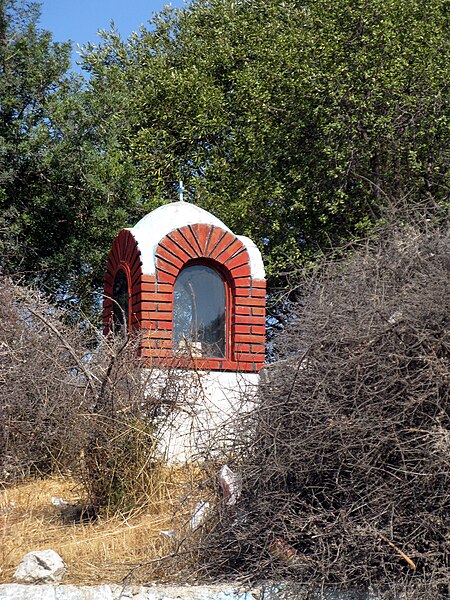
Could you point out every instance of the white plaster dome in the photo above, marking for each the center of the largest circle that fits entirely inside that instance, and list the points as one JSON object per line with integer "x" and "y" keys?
{"x": 152, "y": 228}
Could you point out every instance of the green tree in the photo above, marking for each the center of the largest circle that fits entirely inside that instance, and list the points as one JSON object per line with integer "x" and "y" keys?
{"x": 30, "y": 70}
{"x": 295, "y": 122}
{"x": 65, "y": 189}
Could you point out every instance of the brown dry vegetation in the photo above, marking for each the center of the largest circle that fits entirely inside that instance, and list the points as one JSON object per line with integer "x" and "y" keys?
{"x": 106, "y": 550}
{"x": 344, "y": 460}
{"x": 76, "y": 403}
{"x": 346, "y": 473}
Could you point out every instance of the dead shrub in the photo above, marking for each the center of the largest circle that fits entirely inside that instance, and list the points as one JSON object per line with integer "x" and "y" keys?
{"x": 346, "y": 472}
{"x": 41, "y": 387}
{"x": 75, "y": 401}
{"x": 123, "y": 448}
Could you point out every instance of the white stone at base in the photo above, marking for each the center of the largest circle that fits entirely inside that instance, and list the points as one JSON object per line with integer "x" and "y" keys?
{"x": 269, "y": 591}
{"x": 12, "y": 591}
{"x": 40, "y": 566}
{"x": 210, "y": 405}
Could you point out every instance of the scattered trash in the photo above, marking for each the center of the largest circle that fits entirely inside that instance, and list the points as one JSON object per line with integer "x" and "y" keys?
{"x": 282, "y": 550}
{"x": 59, "y": 501}
{"x": 170, "y": 533}
{"x": 199, "y": 515}
{"x": 395, "y": 317}
{"x": 231, "y": 484}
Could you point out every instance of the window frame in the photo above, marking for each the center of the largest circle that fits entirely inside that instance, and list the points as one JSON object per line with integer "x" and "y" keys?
{"x": 217, "y": 268}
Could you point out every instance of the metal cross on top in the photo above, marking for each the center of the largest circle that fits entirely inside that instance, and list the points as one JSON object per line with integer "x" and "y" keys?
{"x": 181, "y": 190}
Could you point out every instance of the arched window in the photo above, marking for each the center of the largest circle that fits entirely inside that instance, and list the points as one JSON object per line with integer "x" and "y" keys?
{"x": 121, "y": 298}
{"x": 199, "y": 312}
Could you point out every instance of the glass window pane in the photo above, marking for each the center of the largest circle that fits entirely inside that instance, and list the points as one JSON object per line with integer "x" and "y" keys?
{"x": 199, "y": 312}
{"x": 121, "y": 297}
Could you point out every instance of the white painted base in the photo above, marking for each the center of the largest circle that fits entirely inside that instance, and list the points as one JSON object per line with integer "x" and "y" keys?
{"x": 208, "y": 403}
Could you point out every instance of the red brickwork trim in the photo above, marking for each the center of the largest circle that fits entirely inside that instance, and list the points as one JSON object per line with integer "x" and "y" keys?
{"x": 124, "y": 256}
{"x": 151, "y": 298}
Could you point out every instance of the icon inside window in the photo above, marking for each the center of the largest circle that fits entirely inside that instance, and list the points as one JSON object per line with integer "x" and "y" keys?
{"x": 199, "y": 312}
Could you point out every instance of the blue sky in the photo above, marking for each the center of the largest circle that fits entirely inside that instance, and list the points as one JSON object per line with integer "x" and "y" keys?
{"x": 80, "y": 20}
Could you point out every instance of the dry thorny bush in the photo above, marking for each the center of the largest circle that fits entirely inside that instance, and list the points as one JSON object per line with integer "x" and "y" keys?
{"x": 346, "y": 472}
{"x": 344, "y": 460}
{"x": 75, "y": 401}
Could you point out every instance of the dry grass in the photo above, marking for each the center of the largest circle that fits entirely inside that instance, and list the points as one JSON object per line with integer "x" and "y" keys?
{"x": 102, "y": 551}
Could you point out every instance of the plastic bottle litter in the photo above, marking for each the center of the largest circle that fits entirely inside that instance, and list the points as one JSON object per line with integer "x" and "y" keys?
{"x": 231, "y": 484}
{"x": 199, "y": 515}
{"x": 59, "y": 501}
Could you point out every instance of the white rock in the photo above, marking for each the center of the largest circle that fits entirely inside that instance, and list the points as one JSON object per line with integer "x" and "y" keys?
{"x": 83, "y": 592}
{"x": 231, "y": 483}
{"x": 40, "y": 566}
{"x": 59, "y": 501}
{"x": 17, "y": 591}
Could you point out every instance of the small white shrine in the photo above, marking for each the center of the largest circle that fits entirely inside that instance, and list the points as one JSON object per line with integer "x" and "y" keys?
{"x": 199, "y": 293}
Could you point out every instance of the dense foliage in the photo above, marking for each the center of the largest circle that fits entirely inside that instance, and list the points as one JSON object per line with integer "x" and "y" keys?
{"x": 296, "y": 123}
{"x": 61, "y": 180}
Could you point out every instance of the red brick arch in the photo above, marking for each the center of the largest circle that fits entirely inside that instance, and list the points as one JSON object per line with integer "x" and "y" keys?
{"x": 124, "y": 255}
{"x": 151, "y": 296}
